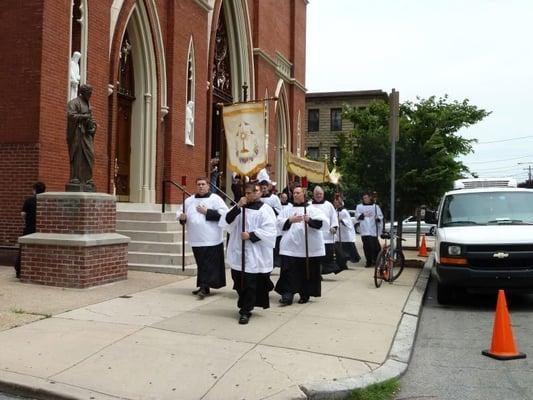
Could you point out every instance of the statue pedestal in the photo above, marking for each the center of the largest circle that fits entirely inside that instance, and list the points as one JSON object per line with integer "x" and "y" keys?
{"x": 76, "y": 244}
{"x": 79, "y": 187}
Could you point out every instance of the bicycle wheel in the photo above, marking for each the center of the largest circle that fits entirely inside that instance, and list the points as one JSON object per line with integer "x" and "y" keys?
{"x": 380, "y": 267}
{"x": 399, "y": 263}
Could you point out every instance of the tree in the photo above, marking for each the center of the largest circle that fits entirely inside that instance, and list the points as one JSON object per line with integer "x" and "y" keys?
{"x": 426, "y": 153}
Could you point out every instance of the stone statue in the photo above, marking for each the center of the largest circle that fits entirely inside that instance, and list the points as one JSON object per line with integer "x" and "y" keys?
{"x": 80, "y": 133}
{"x": 189, "y": 122}
{"x": 74, "y": 74}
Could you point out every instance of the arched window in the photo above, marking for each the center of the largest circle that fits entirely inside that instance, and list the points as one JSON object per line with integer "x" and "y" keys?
{"x": 190, "y": 102}
{"x": 78, "y": 46}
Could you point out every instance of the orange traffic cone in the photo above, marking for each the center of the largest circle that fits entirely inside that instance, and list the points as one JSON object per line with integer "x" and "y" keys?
{"x": 503, "y": 346}
{"x": 423, "y": 250}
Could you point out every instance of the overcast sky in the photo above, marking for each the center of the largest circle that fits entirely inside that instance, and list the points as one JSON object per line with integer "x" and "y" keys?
{"x": 476, "y": 49}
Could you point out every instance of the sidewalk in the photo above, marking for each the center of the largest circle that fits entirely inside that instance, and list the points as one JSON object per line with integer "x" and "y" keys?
{"x": 150, "y": 338}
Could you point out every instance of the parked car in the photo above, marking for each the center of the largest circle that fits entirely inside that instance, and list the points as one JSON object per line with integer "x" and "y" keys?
{"x": 409, "y": 226}
{"x": 484, "y": 238}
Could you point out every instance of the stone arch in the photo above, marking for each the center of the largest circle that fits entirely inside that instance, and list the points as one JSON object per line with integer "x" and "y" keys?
{"x": 116, "y": 8}
{"x": 241, "y": 50}
{"x": 283, "y": 134}
{"x": 144, "y": 113}
{"x": 79, "y": 36}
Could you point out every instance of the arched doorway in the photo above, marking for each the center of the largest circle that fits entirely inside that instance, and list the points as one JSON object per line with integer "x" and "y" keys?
{"x": 231, "y": 73}
{"x": 136, "y": 127}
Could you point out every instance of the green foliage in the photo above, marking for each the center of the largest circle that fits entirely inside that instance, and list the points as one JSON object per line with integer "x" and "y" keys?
{"x": 426, "y": 153}
{"x": 380, "y": 391}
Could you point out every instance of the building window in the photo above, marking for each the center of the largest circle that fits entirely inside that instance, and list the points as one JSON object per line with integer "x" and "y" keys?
{"x": 189, "y": 103}
{"x": 336, "y": 119}
{"x": 312, "y": 153}
{"x": 313, "y": 120}
{"x": 334, "y": 153}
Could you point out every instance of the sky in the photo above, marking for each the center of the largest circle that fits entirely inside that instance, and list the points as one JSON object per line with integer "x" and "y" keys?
{"x": 481, "y": 50}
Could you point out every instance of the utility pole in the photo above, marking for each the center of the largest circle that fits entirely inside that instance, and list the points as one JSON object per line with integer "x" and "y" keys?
{"x": 394, "y": 104}
{"x": 527, "y": 169}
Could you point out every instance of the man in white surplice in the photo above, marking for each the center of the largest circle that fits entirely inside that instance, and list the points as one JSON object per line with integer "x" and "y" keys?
{"x": 201, "y": 214}
{"x": 259, "y": 236}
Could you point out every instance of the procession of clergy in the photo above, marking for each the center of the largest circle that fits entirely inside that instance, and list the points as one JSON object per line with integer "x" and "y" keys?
{"x": 304, "y": 239}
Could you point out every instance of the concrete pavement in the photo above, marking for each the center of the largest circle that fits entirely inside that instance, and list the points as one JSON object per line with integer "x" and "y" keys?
{"x": 161, "y": 342}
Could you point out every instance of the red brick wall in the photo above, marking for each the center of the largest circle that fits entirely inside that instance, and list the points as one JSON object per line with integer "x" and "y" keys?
{"x": 34, "y": 75}
{"x": 74, "y": 267}
{"x": 189, "y": 20}
{"x": 75, "y": 215}
{"x": 18, "y": 172}
{"x": 20, "y": 70}
{"x": 280, "y": 27}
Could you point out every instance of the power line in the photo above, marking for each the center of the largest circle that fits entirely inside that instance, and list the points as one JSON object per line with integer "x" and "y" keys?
{"x": 506, "y": 140}
{"x": 494, "y": 171}
{"x": 503, "y": 159}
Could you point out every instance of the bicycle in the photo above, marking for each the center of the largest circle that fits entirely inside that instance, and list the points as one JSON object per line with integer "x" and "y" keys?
{"x": 388, "y": 267}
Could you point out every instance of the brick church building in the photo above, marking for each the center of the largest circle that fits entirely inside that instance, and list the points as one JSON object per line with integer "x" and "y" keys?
{"x": 159, "y": 70}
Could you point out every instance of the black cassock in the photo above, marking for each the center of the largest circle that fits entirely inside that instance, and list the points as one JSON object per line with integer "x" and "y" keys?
{"x": 211, "y": 268}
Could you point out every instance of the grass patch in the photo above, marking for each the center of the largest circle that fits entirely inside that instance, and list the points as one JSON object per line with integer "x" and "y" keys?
{"x": 379, "y": 391}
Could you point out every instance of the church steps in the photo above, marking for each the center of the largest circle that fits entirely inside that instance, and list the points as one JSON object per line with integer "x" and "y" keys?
{"x": 190, "y": 270}
{"x": 154, "y": 226}
{"x": 151, "y": 236}
{"x": 141, "y": 257}
{"x": 152, "y": 216}
{"x": 158, "y": 247}
{"x": 156, "y": 239}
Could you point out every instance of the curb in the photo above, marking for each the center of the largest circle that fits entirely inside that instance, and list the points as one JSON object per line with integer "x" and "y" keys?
{"x": 399, "y": 354}
{"x": 43, "y": 389}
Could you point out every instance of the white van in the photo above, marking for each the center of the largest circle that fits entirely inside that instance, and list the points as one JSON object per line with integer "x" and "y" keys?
{"x": 484, "y": 237}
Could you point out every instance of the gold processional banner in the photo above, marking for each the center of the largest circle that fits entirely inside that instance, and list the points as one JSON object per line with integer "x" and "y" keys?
{"x": 244, "y": 125}
{"x": 315, "y": 171}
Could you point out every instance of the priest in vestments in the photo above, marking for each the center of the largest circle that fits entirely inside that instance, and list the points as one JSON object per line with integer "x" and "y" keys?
{"x": 273, "y": 201}
{"x": 201, "y": 214}
{"x": 259, "y": 236}
{"x": 345, "y": 240}
{"x": 328, "y": 264}
{"x": 301, "y": 271}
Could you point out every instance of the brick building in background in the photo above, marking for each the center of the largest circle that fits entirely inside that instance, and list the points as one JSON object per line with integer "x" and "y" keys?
{"x": 148, "y": 61}
{"x": 324, "y": 122}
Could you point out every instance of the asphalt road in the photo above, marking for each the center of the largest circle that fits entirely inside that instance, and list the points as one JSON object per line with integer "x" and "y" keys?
{"x": 447, "y": 363}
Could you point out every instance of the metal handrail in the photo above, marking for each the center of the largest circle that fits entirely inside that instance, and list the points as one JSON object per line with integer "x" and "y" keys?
{"x": 163, "y": 192}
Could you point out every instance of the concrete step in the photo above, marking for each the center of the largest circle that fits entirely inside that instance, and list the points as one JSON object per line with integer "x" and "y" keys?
{"x": 170, "y": 259}
{"x": 157, "y": 247}
{"x": 153, "y": 226}
{"x": 151, "y": 236}
{"x": 154, "y": 216}
{"x": 123, "y": 206}
{"x": 190, "y": 270}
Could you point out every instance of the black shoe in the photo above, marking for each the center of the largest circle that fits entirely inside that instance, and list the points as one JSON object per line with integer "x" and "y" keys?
{"x": 244, "y": 319}
{"x": 285, "y": 300}
{"x": 197, "y": 291}
{"x": 303, "y": 300}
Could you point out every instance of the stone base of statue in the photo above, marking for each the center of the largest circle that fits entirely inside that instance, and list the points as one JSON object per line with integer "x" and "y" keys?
{"x": 76, "y": 244}
{"x": 80, "y": 187}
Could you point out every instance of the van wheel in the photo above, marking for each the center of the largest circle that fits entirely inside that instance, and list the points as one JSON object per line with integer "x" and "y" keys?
{"x": 444, "y": 294}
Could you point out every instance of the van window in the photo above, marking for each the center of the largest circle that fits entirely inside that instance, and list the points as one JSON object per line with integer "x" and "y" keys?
{"x": 487, "y": 208}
